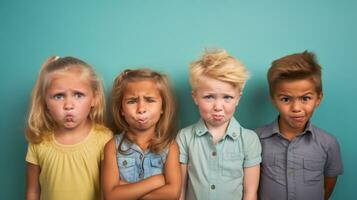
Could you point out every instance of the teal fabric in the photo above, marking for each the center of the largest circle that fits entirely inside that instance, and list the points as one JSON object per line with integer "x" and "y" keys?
{"x": 216, "y": 170}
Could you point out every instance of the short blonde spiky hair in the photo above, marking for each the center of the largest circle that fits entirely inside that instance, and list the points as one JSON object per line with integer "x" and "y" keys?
{"x": 39, "y": 121}
{"x": 218, "y": 64}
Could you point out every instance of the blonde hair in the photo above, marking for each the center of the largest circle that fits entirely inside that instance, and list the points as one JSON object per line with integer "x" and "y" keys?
{"x": 295, "y": 67}
{"x": 218, "y": 64}
{"x": 39, "y": 121}
{"x": 166, "y": 124}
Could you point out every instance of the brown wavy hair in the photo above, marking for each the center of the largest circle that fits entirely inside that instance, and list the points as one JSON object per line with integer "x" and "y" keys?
{"x": 166, "y": 127}
{"x": 295, "y": 67}
{"x": 40, "y": 122}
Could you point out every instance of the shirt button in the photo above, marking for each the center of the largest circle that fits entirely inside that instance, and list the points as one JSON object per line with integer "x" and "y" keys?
{"x": 213, "y": 187}
{"x": 214, "y": 153}
{"x": 125, "y": 163}
{"x": 141, "y": 175}
{"x": 141, "y": 156}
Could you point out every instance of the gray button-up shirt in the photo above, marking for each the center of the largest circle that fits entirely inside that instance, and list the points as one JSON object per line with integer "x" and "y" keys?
{"x": 296, "y": 169}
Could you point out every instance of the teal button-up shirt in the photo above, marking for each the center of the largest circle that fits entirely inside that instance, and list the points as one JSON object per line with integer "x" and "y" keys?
{"x": 215, "y": 171}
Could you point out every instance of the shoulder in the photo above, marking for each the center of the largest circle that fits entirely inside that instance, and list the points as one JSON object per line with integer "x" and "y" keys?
{"x": 265, "y": 129}
{"x": 187, "y": 131}
{"x": 323, "y": 136}
{"x": 102, "y": 132}
{"x": 110, "y": 145}
{"x": 249, "y": 135}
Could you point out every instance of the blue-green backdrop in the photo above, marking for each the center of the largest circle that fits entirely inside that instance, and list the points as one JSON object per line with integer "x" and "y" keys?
{"x": 167, "y": 35}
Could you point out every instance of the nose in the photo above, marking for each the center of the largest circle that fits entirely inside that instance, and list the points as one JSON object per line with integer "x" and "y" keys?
{"x": 68, "y": 103}
{"x": 295, "y": 106}
{"x": 141, "y": 109}
{"x": 217, "y": 106}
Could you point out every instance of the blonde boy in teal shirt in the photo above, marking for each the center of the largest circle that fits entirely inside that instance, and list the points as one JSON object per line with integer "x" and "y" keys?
{"x": 219, "y": 158}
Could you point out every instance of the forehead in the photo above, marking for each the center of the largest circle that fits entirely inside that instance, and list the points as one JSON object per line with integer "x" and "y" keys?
{"x": 295, "y": 87}
{"x": 66, "y": 79}
{"x": 207, "y": 84}
{"x": 141, "y": 87}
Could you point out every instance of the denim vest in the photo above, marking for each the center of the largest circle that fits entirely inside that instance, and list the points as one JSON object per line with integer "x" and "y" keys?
{"x": 136, "y": 165}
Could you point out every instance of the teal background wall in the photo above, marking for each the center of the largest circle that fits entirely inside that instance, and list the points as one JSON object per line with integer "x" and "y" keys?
{"x": 167, "y": 35}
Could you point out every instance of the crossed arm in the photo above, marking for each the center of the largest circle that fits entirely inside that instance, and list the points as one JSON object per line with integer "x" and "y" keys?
{"x": 165, "y": 186}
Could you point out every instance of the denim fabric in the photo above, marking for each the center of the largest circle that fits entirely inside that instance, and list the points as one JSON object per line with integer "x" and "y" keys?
{"x": 134, "y": 164}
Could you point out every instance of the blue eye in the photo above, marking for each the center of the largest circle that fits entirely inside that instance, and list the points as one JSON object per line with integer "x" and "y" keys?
{"x": 58, "y": 96}
{"x": 78, "y": 95}
{"x": 228, "y": 97}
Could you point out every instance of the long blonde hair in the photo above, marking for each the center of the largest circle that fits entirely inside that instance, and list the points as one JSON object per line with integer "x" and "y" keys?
{"x": 39, "y": 121}
{"x": 166, "y": 125}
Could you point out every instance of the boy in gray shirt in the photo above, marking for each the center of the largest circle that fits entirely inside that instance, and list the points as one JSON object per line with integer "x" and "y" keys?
{"x": 300, "y": 161}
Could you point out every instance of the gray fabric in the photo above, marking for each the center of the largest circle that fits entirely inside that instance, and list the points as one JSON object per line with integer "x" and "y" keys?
{"x": 296, "y": 169}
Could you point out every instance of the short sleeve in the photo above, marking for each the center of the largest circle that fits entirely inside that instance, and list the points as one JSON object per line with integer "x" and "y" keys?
{"x": 252, "y": 149}
{"x": 333, "y": 166}
{"x": 32, "y": 156}
{"x": 182, "y": 144}
{"x": 107, "y": 135}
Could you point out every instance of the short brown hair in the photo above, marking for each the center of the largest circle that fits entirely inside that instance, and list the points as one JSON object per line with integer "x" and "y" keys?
{"x": 295, "y": 67}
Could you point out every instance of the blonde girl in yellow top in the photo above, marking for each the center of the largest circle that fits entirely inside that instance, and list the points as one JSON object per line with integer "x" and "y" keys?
{"x": 65, "y": 132}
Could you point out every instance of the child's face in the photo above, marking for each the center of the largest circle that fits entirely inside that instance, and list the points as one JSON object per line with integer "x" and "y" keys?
{"x": 296, "y": 101}
{"x": 216, "y": 101}
{"x": 69, "y": 99}
{"x": 142, "y": 105}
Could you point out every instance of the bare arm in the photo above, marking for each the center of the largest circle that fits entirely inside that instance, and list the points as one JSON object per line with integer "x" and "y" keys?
{"x": 33, "y": 190}
{"x": 171, "y": 189}
{"x": 183, "y": 181}
{"x": 330, "y": 183}
{"x": 111, "y": 183}
{"x": 251, "y": 182}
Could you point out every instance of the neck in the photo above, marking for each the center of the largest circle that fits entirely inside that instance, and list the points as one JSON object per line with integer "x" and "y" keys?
{"x": 72, "y": 136}
{"x": 218, "y": 132}
{"x": 142, "y": 138}
{"x": 288, "y": 132}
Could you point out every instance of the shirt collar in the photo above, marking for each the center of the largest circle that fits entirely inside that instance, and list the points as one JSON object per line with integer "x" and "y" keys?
{"x": 233, "y": 129}
{"x": 274, "y": 127}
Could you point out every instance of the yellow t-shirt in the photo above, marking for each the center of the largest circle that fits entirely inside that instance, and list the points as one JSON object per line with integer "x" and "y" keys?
{"x": 70, "y": 171}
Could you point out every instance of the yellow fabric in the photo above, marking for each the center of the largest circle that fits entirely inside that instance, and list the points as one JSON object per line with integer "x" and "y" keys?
{"x": 70, "y": 171}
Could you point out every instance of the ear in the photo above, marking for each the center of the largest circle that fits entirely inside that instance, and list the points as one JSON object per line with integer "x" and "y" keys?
{"x": 319, "y": 99}
{"x": 239, "y": 96}
{"x": 194, "y": 97}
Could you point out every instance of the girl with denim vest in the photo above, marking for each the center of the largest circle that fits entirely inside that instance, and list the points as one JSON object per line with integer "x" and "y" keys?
{"x": 143, "y": 160}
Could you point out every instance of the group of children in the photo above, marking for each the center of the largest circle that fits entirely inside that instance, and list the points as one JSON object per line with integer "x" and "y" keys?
{"x": 72, "y": 155}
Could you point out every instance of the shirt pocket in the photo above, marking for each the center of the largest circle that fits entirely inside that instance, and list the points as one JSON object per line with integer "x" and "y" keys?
{"x": 274, "y": 166}
{"x": 313, "y": 171}
{"x": 157, "y": 165}
{"x": 127, "y": 169}
{"x": 232, "y": 165}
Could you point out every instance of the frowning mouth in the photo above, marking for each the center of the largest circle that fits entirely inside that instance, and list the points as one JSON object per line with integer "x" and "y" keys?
{"x": 69, "y": 118}
{"x": 217, "y": 117}
{"x": 298, "y": 118}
